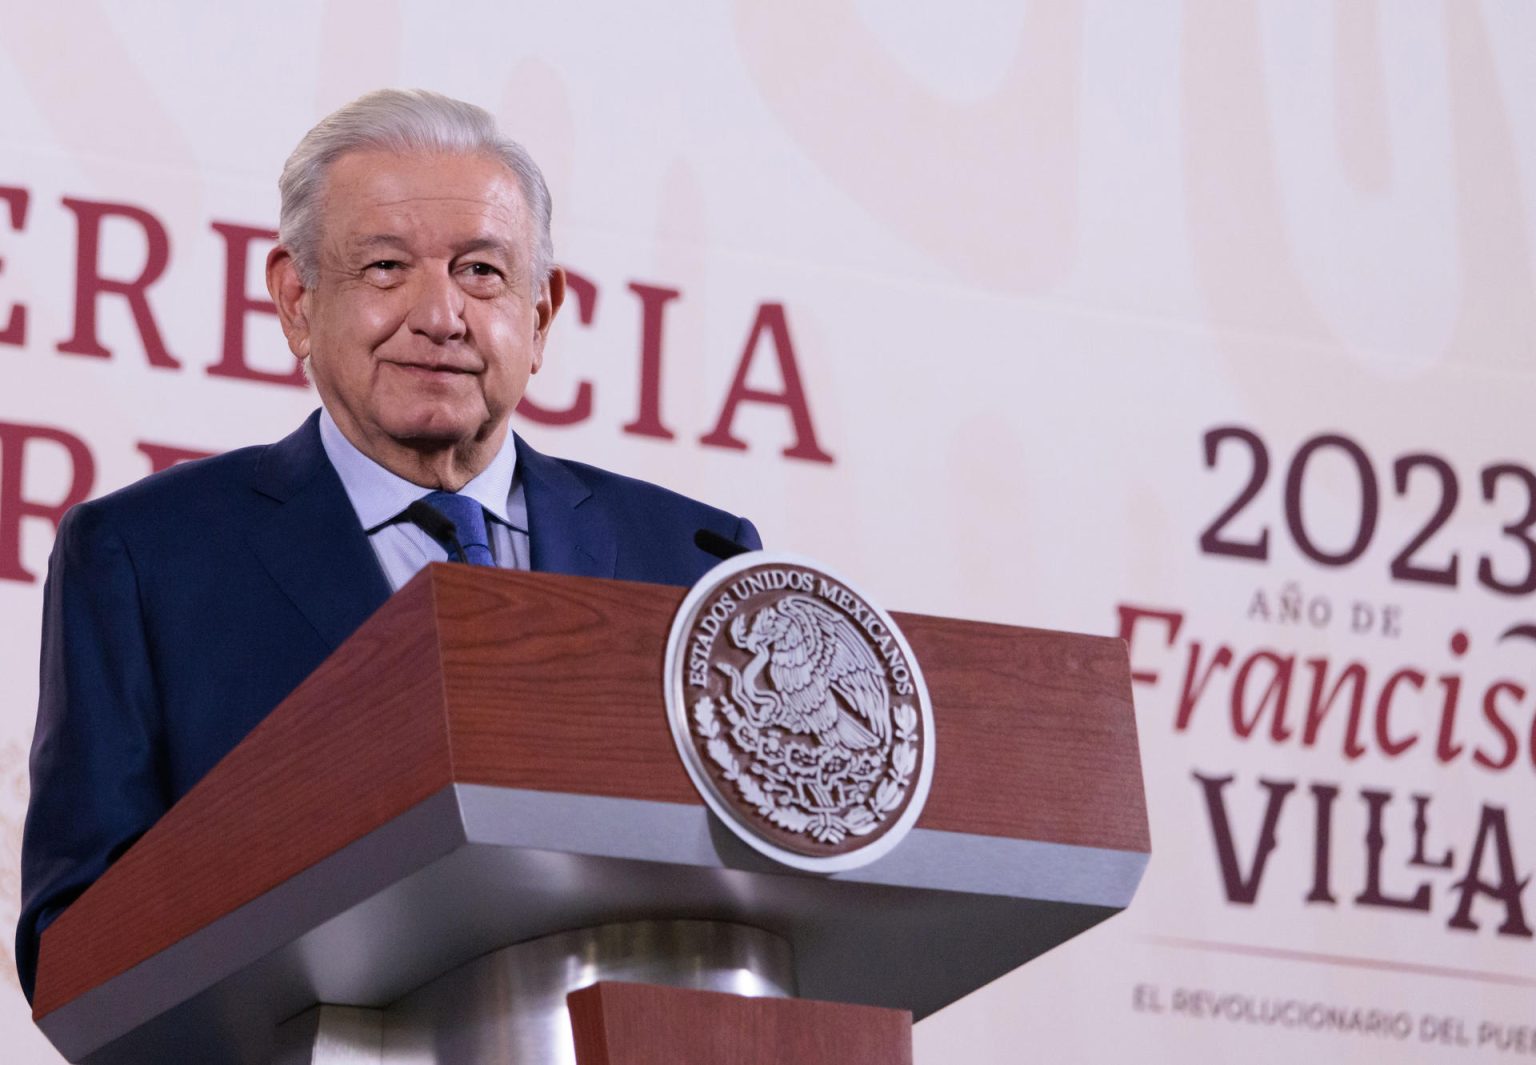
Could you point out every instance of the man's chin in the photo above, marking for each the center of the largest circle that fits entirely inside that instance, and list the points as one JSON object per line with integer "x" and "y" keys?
{"x": 437, "y": 431}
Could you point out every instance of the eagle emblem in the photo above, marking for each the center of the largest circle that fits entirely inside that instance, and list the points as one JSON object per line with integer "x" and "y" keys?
{"x": 824, "y": 680}
{"x": 799, "y": 711}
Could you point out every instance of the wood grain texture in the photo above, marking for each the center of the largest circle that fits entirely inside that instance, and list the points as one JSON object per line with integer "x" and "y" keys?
{"x": 642, "y": 1024}
{"x": 1036, "y": 733}
{"x": 360, "y": 742}
{"x": 556, "y": 684}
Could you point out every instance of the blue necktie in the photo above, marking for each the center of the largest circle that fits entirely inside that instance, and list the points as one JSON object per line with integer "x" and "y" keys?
{"x": 468, "y": 519}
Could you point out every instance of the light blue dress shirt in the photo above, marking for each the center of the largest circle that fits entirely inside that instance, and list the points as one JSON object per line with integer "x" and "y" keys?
{"x": 379, "y": 496}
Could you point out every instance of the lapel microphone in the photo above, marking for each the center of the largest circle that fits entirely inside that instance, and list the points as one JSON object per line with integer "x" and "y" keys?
{"x": 720, "y": 546}
{"x": 431, "y": 521}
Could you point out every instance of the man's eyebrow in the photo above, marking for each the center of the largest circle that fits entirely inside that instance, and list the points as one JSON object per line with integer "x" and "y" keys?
{"x": 485, "y": 244}
{"x": 379, "y": 240}
{"x": 370, "y": 244}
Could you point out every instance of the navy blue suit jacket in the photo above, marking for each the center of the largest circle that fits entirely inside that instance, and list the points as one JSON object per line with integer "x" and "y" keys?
{"x": 180, "y": 610}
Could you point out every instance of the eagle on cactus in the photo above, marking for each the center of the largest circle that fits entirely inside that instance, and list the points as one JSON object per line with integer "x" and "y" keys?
{"x": 825, "y": 682}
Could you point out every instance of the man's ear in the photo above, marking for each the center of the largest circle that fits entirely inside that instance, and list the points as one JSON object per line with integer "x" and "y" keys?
{"x": 546, "y": 306}
{"x": 291, "y": 298}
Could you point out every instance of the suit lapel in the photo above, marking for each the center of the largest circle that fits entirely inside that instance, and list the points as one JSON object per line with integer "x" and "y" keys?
{"x": 312, "y": 545}
{"x": 569, "y": 531}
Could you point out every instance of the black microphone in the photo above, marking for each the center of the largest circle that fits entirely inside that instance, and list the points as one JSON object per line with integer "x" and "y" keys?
{"x": 431, "y": 521}
{"x": 721, "y": 547}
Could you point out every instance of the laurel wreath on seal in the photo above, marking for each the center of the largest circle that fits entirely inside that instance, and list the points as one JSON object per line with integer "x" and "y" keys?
{"x": 826, "y": 826}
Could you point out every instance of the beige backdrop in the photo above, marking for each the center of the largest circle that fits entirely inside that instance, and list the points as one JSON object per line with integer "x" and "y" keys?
{"x": 1029, "y": 256}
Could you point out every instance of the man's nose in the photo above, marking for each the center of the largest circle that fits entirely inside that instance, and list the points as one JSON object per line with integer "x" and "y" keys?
{"x": 437, "y": 307}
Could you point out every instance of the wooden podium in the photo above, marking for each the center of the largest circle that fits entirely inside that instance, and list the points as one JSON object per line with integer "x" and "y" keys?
{"x": 486, "y": 766}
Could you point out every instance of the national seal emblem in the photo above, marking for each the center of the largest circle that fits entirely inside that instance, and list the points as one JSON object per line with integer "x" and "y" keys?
{"x": 799, "y": 712}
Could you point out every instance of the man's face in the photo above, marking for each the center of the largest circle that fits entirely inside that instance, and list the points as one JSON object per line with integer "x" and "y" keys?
{"x": 424, "y": 322}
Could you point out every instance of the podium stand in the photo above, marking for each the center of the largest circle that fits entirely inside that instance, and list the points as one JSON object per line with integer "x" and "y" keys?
{"x": 484, "y": 773}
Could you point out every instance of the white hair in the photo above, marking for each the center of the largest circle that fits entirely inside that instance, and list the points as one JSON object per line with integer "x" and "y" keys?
{"x": 401, "y": 121}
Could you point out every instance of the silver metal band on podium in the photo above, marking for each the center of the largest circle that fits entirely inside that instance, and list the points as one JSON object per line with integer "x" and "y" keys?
{"x": 508, "y": 1007}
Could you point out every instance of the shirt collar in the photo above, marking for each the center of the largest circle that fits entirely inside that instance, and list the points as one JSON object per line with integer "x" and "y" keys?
{"x": 378, "y": 496}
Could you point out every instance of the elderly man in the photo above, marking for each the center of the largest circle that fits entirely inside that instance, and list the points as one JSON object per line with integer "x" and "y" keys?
{"x": 414, "y": 277}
